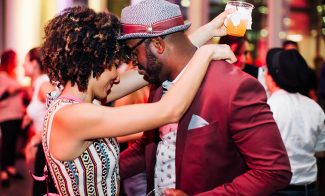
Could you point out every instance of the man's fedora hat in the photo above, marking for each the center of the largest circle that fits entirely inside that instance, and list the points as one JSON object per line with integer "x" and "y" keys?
{"x": 151, "y": 18}
{"x": 288, "y": 69}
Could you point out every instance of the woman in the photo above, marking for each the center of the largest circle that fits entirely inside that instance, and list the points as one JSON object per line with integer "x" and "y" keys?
{"x": 11, "y": 113}
{"x": 80, "y": 54}
{"x": 35, "y": 114}
{"x": 240, "y": 46}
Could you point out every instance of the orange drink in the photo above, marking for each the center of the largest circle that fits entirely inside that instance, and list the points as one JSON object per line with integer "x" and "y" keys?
{"x": 236, "y": 30}
{"x": 237, "y": 22}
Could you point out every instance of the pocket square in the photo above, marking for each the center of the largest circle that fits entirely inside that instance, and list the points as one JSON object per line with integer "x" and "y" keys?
{"x": 197, "y": 122}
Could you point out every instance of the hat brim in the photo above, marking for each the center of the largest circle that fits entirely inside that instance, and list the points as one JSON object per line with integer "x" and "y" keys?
{"x": 150, "y": 35}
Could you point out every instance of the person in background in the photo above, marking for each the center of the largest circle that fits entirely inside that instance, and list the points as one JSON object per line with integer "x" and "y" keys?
{"x": 240, "y": 46}
{"x": 290, "y": 45}
{"x": 35, "y": 115}
{"x": 12, "y": 109}
{"x": 299, "y": 118}
{"x": 310, "y": 88}
{"x": 321, "y": 87}
{"x": 227, "y": 143}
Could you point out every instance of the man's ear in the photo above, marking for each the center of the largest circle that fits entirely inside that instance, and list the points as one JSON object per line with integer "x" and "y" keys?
{"x": 159, "y": 44}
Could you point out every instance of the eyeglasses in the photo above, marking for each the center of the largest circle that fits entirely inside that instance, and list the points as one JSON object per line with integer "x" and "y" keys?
{"x": 129, "y": 51}
{"x": 142, "y": 40}
{"x": 138, "y": 44}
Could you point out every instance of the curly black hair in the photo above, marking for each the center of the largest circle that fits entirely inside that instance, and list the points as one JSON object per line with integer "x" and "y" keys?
{"x": 78, "y": 43}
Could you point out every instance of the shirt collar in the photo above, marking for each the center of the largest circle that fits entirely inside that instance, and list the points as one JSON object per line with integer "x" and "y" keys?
{"x": 167, "y": 84}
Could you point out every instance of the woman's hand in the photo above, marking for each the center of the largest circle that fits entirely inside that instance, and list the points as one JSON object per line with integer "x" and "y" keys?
{"x": 214, "y": 28}
{"x": 30, "y": 153}
{"x": 220, "y": 52}
{"x": 27, "y": 121}
{"x": 174, "y": 192}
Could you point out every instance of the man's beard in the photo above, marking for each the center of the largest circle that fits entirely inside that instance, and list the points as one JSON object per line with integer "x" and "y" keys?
{"x": 153, "y": 68}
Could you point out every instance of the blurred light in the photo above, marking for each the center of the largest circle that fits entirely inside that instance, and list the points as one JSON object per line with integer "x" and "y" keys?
{"x": 22, "y": 30}
{"x": 282, "y": 35}
{"x": 313, "y": 33}
{"x": 264, "y": 33}
{"x": 323, "y": 19}
{"x": 249, "y": 35}
{"x": 185, "y": 3}
{"x": 287, "y": 22}
{"x": 251, "y": 47}
{"x": 295, "y": 37}
{"x": 215, "y": 40}
{"x": 319, "y": 8}
{"x": 97, "y": 5}
{"x": 323, "y": 31}
{"x": 263, "y": 9}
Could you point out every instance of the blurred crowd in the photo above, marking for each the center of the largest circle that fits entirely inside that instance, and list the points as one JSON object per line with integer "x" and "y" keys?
{"x": 295, "y": 92}
{"x": 22, "y": 108}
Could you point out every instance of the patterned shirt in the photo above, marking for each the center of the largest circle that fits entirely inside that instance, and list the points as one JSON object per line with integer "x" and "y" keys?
{"x": 165, "y": 176}
{"x": 94, "y": 172}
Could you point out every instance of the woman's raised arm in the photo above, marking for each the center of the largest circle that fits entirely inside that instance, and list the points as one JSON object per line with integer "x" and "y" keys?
{"x": 93, "y": 121}
{"x": 130, "y": 81}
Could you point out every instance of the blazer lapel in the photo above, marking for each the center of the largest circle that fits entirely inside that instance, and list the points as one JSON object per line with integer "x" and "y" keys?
{"x": 180, "y": 143}
{"x": 182, "y": 134}
{"x": 155, "y": 95}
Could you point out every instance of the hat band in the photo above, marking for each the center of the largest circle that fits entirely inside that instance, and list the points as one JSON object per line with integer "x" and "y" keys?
{"x": 157, "y": 27}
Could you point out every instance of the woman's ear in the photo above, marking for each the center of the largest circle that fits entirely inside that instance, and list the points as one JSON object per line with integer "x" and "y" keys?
{"x": 159, "y": 44}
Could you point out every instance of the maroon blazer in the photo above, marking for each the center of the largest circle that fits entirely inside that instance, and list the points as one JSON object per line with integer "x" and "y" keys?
{"x": 240, "y": 152}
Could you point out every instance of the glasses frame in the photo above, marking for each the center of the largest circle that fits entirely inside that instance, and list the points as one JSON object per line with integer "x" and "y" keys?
{"x": 138, "y": 44}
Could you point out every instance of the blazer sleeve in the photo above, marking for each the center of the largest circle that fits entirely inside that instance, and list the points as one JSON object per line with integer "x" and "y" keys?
{"x": 256, "y": 135}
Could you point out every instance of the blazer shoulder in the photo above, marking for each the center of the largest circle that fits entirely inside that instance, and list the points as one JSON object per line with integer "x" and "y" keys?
{"x": 226, "y": 78}
{"x": 222, "y": 71}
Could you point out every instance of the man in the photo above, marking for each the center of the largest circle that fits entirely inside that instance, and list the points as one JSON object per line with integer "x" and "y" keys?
{"x": 227, "y": 143}
{"x": 299, "y": 118}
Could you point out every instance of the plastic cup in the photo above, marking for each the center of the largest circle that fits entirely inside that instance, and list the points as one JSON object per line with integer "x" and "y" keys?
{"x": 237, "y": 22}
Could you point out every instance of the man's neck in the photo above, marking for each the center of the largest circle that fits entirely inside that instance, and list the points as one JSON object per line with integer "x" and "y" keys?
{"x": 183, "y": 57}
{"x": 274, "y": 89}
{"x": 35, "y": 75}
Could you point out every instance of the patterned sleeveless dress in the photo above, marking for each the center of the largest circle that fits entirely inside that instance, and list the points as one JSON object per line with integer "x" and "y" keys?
{"x": 94, "y": 172}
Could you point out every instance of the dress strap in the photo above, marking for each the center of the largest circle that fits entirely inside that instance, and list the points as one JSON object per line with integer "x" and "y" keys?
{"x": 71, "y": 97}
